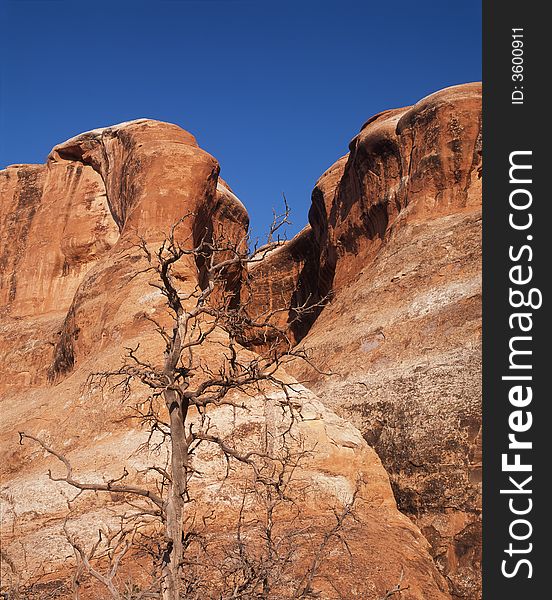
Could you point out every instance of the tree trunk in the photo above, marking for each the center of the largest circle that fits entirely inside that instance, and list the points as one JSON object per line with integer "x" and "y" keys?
{"x": 175, "y": 502}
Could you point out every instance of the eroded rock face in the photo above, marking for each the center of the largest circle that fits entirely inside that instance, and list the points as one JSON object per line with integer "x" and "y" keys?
{"x": 55, "y": 225}
{"x": 86, "y": 299}
{"x": 396, "y": 226}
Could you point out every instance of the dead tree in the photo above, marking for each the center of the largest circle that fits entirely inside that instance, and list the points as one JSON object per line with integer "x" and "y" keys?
{"x": 180, "y": 385}
{"x": 284, "y": 557}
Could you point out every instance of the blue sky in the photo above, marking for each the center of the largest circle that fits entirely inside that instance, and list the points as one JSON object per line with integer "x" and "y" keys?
{"x": 273, "y": 89}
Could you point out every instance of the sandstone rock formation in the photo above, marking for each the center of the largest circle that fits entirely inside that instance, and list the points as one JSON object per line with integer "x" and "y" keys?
{"x": 393, "y": 238}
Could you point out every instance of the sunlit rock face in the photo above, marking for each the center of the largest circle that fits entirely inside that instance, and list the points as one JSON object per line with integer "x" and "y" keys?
{"x": 394, "y": 248}
{"x": 74, "y": 295}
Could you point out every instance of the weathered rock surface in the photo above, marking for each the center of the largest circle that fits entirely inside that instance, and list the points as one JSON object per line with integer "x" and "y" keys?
{"x": 394, "y": 238}
{"x": 73, "y": 298}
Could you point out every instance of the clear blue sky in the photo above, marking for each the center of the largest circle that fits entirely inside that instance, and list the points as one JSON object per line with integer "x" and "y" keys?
{"x": 273, "y": 89}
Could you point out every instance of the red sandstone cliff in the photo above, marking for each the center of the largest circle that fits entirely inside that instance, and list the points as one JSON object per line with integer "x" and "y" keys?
{"x": 393, "y": 238}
